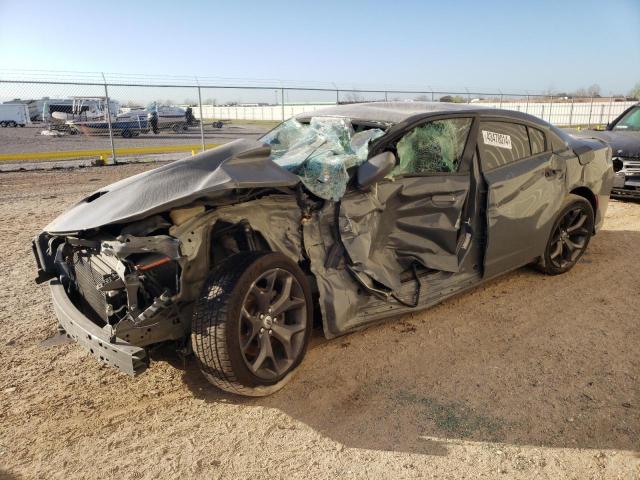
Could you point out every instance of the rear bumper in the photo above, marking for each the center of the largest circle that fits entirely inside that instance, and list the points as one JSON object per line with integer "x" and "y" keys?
{"x": 120, "y": 354}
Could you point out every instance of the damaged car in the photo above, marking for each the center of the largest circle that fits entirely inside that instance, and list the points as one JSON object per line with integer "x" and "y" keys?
{"x": 336, "y": 219}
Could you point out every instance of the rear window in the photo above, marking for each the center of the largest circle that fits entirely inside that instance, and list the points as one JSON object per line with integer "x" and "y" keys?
{"x": 538, "y": 141}
{"x": 501, "y": 143}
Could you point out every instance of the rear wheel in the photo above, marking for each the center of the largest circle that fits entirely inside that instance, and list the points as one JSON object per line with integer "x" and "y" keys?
{"x": 252, "y": 323}
{"x": 569, "y": 237}
{"x": 3, "y": 124}
{"x": 11, "y": 123}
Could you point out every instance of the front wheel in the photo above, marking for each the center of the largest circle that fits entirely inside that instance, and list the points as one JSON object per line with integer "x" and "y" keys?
{"x": 569, "y": 238}
{"x": 252, "y": 322}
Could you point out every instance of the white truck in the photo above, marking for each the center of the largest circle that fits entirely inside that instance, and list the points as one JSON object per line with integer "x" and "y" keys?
{"x": 14, "y": 114}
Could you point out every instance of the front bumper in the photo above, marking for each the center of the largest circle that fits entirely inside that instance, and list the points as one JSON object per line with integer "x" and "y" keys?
{"x": 626, "y": 182}
{"x": 120, "y": 354}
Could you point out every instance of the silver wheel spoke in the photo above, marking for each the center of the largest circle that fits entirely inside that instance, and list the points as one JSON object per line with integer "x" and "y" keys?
{"x": 578, "y": 224}
{"x": 557, "y": 251}
{"x": 281, "y": 300}
{"x": 284, "y": 334}
{"x": 266, "y": 352}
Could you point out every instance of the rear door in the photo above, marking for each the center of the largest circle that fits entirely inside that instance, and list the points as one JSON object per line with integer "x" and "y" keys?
{"x": 525, "y": 186}
{"x": 420, "y": 214}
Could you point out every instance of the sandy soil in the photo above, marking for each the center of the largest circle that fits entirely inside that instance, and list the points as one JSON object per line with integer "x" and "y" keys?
{"x": 527, "y": 377}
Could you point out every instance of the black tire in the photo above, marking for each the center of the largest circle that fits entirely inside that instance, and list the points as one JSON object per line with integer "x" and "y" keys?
{"x": 127, "y": 134}
{"x": 3, "y": 124}
{"x": 228, "y": 314}
{"x": 569, "y": 237}
{"x": 11, "y": 123}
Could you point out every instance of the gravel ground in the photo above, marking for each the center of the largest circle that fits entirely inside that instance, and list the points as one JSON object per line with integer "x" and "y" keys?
{"x": 29, "y": 139}
{"x": 527, "y": 377}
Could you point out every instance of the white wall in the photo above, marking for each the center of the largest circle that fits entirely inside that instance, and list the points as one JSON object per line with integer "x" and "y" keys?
{"x": 565, "y": 113}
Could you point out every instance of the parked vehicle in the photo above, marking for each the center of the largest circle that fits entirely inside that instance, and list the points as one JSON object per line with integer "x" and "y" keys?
{"x": 125, "y": 124}
{"x": 339, "y": 218}
{"x": 623, "y": 135}
{"x": 162, "y": 117}
{"x": 14, "y": 115}
{"x": 80, "y": 109}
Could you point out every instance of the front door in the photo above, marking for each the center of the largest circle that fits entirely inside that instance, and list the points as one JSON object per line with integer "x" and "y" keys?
{"x": 420, "y": 214}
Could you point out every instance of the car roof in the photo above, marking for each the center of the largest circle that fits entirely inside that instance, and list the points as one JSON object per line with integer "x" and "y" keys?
{"x": 396, "y": 112}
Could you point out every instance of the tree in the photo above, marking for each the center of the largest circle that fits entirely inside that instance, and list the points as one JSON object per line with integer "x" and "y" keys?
{"x": 635, "y": 92}
{"x": 594, "y": 90}
{"x": 353, "y": 97}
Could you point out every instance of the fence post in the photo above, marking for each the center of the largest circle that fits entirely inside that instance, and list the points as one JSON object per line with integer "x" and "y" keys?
{"x": 527, "y": 106}
{"x": 590, "y": 110}
{"x": 610, "y": 107}
{"x": 337, "y": 97}
{"x": 550, "y": 109}
{"x": 571, "y": 113}
{"x": 282, "y": 98}
{"x": 500, "y": 100}
{"x": 201, "y": 119}
{"x": 106, "y": 94}
{"x": 385, "y": 97}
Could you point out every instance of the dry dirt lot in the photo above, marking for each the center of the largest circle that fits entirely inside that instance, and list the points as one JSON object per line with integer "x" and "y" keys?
{"x": 527, "y": 377}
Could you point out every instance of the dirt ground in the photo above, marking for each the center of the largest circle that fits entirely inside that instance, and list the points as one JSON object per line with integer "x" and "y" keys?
{"x": 527, "y": 377}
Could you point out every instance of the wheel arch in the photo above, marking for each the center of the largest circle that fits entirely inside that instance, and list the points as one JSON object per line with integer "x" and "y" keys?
{"x": 586, "y": 193}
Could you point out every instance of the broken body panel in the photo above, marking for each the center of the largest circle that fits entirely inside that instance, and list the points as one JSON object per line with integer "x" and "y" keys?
{"x": 147, "y": 244}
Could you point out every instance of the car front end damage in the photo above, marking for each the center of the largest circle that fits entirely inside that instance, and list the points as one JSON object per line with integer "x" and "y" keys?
{"x": 627, "y": 177}
{"x": 114, "y": 296}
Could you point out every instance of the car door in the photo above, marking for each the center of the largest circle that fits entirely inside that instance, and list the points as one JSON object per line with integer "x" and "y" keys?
{"x": 525, "y": 186}
{"x": 418, "y": 215}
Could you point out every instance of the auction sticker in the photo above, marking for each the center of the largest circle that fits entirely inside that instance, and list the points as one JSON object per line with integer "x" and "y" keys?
{"x": 494, "y": 139}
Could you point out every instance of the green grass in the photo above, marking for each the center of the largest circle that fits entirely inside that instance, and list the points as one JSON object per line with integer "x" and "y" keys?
{"x": 453, "y": 418}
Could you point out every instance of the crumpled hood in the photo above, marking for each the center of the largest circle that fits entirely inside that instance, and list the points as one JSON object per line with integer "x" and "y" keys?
{"x": 625, "y": 144}
{"x": 239, "y": 164}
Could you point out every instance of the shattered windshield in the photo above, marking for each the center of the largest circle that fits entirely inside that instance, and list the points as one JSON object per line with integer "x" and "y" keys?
{"x": 321, "y": 152}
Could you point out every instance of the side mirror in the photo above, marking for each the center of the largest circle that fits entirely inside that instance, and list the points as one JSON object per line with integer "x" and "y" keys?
{"x": 375, "y": 169}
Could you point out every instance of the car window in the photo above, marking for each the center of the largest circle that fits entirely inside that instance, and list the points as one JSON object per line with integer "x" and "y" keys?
{"x": 631, "y": 121}
{"x": 501, "y": 143}
{"x": 538, "y": 141}
{"x": 433, "y": 147}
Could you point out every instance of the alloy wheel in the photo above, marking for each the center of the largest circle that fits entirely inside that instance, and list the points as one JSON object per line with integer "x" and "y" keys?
{"x": 273, "y": 320}
{"x": 570, "y": 238}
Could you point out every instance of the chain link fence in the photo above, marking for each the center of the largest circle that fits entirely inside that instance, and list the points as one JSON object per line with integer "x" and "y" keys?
{"x": 71, "y": 115}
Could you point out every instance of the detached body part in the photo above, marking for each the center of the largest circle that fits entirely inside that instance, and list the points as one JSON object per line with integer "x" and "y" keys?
{"x": 337, "y": 219}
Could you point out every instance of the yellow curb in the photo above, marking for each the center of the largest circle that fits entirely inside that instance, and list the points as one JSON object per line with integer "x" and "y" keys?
{"x": 4, "y": 157}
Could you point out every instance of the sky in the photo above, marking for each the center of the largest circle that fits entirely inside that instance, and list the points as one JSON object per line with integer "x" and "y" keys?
{"x": 498, "y": 45}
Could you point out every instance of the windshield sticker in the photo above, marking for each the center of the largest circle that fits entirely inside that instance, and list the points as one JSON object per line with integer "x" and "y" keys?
{"x": 494, "y": 139}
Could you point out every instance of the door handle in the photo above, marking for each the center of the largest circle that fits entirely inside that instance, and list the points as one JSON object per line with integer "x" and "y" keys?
{"x": 443, "y": 199}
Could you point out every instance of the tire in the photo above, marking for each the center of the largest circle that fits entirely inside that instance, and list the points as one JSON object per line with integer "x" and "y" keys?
{"x": 127, "y": 134}
{"x": 3, "y": 124}
{"x": 569, "y": 236}
{"x": 11, "y": 123}
{"x": 245, "y": 317}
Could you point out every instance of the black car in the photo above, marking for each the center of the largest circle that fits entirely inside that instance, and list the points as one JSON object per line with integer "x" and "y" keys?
{"x": 623, "y": 135}
{"x": 340, "y": 218}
